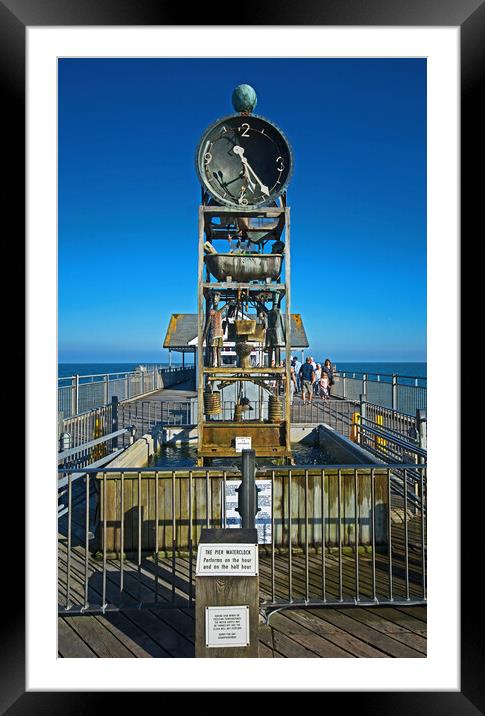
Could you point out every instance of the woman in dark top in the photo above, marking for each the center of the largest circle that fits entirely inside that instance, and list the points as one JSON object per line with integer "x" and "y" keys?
{"x": 327, "y": 368}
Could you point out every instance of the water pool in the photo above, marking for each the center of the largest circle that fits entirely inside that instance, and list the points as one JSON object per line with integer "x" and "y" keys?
{"x": 175, "y": 457}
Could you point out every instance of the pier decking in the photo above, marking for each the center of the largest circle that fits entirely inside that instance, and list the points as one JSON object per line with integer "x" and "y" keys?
{"x": 167, "y": 630}
{"x": 295, "y": 633}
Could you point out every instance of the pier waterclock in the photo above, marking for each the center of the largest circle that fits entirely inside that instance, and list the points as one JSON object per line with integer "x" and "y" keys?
{"x": 244, "y": 163}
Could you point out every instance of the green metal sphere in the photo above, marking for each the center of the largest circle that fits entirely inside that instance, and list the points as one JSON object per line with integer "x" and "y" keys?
{"x": 244, "y": 98}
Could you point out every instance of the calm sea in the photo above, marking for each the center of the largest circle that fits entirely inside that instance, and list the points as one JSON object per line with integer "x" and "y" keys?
{"x": 67, "y": 369}
{"x": 414, "y": 370}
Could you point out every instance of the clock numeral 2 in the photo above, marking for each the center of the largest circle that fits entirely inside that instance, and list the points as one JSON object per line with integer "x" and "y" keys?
{"x": 245, "y": 133}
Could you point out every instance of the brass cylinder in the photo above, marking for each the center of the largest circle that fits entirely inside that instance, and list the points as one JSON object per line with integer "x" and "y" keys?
{"x": 212, "y": 403}
{"x": 275, "y": 409}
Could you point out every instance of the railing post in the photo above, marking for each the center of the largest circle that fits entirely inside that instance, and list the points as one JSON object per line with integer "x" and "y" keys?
{"x": 343, "y": 386}
{"x": 247, "y": 505}
{"x": 193, "y": 411}
{"x": 394, "y": 391}
{"x": 128, "y": 385}
{"x": 142, "y": 382}
{"x": 114, "y": 421}
{"x": 60, "y": 423}
{"x": 364, "y": 385}
{"x": 421, "y": 427}
{"x": 75, "y": 395}
{"x": 363, "y": 415}
{"x": 65, "y": 441}
{"x": 105, "y": 390}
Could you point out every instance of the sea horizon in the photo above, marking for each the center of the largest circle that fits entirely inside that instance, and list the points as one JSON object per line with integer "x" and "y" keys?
{"x": 416, "y": 369}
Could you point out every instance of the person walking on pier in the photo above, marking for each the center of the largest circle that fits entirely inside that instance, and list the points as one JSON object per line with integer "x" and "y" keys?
{"x": 296, "y": 366}
{"x": 318, "y": 375}
{"x": 292, "y": 383}
{"x": 328, "y": 369}
{"x": 307, "y": 376}
{"x": 324, "y": 386}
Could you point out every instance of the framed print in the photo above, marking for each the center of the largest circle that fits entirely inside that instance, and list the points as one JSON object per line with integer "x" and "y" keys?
{"x": 35, "y": 41}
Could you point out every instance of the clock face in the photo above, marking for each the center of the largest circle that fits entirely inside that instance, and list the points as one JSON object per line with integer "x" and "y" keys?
{"x": 244, "y": 161}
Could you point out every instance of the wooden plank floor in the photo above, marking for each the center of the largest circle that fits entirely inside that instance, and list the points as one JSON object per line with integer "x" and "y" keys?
{"x": 293, "y": 633}
{"x": 167, "y": 631}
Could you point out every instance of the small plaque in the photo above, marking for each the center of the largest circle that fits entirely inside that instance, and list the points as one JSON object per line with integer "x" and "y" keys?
{"x": 226, "y": 626}
{"x": 243, "y": 444}
{"x": 227, "y": 560}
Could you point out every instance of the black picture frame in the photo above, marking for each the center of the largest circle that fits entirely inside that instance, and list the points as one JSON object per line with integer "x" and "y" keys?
{"x": 15, "y": 17}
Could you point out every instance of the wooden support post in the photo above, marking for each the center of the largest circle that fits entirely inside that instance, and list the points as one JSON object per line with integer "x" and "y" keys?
{"x": 236, "y": 623}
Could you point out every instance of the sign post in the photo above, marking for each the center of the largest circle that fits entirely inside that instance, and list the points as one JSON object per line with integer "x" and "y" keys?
{"x": 227, "y": 589}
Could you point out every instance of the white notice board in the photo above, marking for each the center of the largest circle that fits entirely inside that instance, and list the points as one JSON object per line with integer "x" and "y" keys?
{"x": 226, "y": 626}
{"x": 263, "y": 517}
{"x": 243, "y": 443}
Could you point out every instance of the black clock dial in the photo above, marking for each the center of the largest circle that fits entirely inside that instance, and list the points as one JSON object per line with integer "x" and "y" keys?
{"x": 244, "y": 161}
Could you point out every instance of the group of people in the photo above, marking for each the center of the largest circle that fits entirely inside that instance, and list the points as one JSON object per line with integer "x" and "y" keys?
{"x": 311, "y": 379}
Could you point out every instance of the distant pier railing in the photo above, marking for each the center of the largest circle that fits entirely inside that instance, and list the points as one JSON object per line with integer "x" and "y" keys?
{"x": 403, "y": 393}
{"x": 79, "y": 393}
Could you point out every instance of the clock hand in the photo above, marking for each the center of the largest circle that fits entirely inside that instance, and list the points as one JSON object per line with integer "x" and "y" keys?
{"x": 251, "y": 184}
{"x": 240, "y": 152}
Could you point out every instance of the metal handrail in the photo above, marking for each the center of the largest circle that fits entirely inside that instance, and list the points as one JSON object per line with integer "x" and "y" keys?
{"x": 233, "y": 468}
{"x": 397, "y": 441}
{"x": 85, "y": 446}
{"x": 385, "y": 375}
{"x": 128, "y": 372}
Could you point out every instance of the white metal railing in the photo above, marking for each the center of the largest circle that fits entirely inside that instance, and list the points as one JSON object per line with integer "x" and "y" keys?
{"x": 406, "y": 394}
{"x": 77, "y": 394}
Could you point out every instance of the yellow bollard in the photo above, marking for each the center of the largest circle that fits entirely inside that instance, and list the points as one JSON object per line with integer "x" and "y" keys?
{"x": 354, "y": 435}
{"x": 380, "y": 443}
{"x": 98, "y": 450}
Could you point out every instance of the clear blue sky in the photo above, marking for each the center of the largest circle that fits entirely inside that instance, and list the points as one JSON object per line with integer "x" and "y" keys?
{"x": 128, "y": 198}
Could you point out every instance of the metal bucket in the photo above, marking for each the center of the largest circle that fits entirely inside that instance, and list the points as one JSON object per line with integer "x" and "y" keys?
{"x": 258, "y": 335}
{"x": 245, "y": 327}
{"x": 244, "y": 267}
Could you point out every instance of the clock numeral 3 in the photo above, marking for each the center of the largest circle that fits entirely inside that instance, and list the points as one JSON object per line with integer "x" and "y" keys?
{"x": 282, "y": 164}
